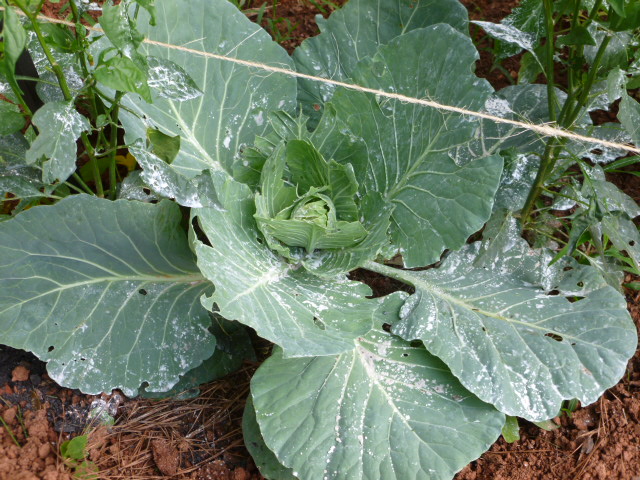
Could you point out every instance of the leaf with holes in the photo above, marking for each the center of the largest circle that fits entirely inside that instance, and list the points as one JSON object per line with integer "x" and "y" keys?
{"x": 106, "y": 292}
{"x": 384, "y": 409}
{"x": 438, "y": 203}
{"x": 233, "y": 109}
{"x": 518, "y": 333}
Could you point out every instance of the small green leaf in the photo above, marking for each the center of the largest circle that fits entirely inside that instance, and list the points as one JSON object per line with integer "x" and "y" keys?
{"x": 59, "y": 37}
{"x": 14, "y": 39}
{"x": 11, "y": 118}
{"x": 121, "y": 73}
{"x": 149, "y": 6}
{"x": 578, "y": 35}
{"x": 60, "y": 125}
{"x": 163, "y": 146}
{"x": 120, "y": 28}
{"x": 511, "y": 430}
{"x": 74, "y": 449}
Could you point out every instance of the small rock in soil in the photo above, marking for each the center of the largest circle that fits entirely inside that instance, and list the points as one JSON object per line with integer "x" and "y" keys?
{"x": 20, "y": 374}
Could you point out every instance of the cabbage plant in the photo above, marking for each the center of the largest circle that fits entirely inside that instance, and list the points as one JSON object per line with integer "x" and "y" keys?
{"x": 258, "y": 197}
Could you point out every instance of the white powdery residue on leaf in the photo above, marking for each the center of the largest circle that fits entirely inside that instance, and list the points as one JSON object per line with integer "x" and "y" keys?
{"x": 498, "y": 107}
{"x": 227, "y": 142}
{"x": 259, "y": 118}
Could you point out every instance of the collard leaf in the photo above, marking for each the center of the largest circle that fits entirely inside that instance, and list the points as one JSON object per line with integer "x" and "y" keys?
{"x": 234, "y": 107}
{"x": 528, "y": 17}
{"x": 264, "y": 458}
{"x": 305, "y": 314}
{"x": 509, "y": 33}
{"x": 233, "y": 347}
{"x": 382, "y": 410}
{"x": 60, "y": 126}
{"x": 438, "y": 203}
{"x": 336, "y": 51}
{"x": 106, "y": 292}
{"x": 630, "y": 117}
{"x": 500, "y": 327}
{"x": 187, "y": 191}
{"x": 170, "y": 80}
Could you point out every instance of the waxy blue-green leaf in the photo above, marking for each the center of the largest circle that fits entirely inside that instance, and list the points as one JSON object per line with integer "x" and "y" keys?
{"x": 170, "y": 80}
{"x": 438, "y": 203}
{"x": 491, "y": 313}
{"x": 303, "y": 313}
{"x": 106, "y": 292}
{"x": 383, "y": 410}
{"x": 265, "y": 460}
{"x": 170, "y": 183}
{"x": 234, "y": 107}
{"x": 233, "y": 347}
{"x": 60, "y": 125}
{"x": 356, "y": 31}
{"x": 630, "y": 117}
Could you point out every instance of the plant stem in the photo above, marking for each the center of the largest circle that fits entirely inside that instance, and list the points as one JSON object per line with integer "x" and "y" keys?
{"x": 547, "y": 163}
{"x": 390, "y": 272}
{"x": 550, "y": 48}
{"x": 55, "y": 66}
{"x": 84, "y": 186}
{"x": 113, "y": 145}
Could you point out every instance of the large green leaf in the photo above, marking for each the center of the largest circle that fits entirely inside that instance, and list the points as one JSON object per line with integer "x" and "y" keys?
{"x": 438, "y": 203}
{"x": 518, "y": 333}
{"x": 106, "y": 292}
{"x": 305, "y": 314}
{"x": 357, "y": 30}
{"x": 237, "y": 99}
{"x": 264, "y": 458}
{"x": 384, "y": 410}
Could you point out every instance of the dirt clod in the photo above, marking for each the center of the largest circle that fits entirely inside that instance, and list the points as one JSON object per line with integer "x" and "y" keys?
{"x": 20, "y": 374}
{"x": 166, "y": 456}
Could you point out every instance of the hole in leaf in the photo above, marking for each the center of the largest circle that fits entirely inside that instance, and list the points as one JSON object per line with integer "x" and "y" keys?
{"x": 319, "y": 323}
{"x": 146, "y": 190}
{"x": 556, "y": 337}
{"x": 386, "y": 327}
{"x": 566, "y": 269}
{"x": 82, "y": 359}
{"x": 597, "y": 151}
{"x": 581, "y": 284}
{"x": 142, "y": 291}
{"x": 405, "y": 354}
{"x": 51, "y": 348}
{"x": 632, "y": 243}
{"x": 484, "y": 329}
{"x": 553, "y": 292}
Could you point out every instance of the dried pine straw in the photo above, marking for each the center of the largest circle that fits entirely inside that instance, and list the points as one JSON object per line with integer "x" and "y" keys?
{"x": 197, "y": 431}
